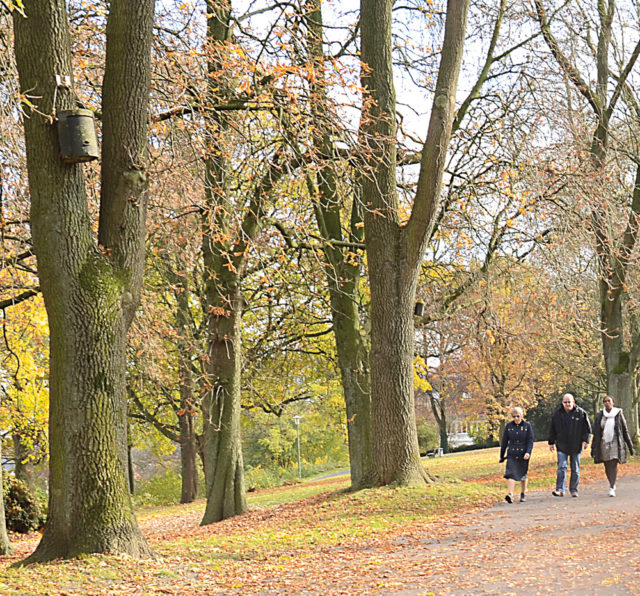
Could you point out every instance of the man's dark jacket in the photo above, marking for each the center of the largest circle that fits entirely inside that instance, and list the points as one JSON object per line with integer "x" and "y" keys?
{"x": 569, "y": 430}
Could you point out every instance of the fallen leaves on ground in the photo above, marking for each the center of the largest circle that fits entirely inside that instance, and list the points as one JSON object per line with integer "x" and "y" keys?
{"x": 372, "y": 541}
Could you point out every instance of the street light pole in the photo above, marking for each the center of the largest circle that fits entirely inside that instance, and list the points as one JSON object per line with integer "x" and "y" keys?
{"x": 296, "y": 419}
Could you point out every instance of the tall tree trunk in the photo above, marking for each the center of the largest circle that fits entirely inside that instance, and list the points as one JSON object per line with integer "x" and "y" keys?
{"x": 221, "y": 434}
{"x": 342, "y": 272}
{"x": 396, "y": 456}
{"x": 91, "y": 289}
{"x": 353, "y": 361}
{"x": 620, "y": 363}
{"x": 224, "y": 473}
{"x": 5, "y": 545}
{"x": 188, "y": 458}
{"x": 438, "y": 407}
{"x": 614, "y": 254}
{"x": 186, "y": 418}
{"x": 130, "y": 472}
{"x": 187, "y": 412}
{"x": 395, "y": 251}
{"x": 614, "y": 258}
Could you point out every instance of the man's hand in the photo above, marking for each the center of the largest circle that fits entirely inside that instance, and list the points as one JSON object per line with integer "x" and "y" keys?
{"x": 527, "y": 455}
{"x": 551, "y": 448}
{"x": 584, "y": 445}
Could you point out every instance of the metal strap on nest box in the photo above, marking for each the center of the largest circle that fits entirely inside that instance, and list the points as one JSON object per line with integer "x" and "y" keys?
{"x": 76, "y": 130}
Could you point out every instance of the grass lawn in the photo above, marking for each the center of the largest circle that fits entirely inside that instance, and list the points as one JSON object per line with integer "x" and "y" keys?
{"x": 312, "y": 520}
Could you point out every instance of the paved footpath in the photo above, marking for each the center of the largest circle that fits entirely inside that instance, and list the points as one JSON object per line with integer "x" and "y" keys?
{"x": 547, "y": 545}
{"x": 588, "y": 545}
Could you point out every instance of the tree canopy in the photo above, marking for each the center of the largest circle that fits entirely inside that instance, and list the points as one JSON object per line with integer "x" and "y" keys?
{"x": 278, "y": 185}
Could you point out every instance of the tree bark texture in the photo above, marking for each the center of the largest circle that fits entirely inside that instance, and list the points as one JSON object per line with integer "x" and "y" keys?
{"x": 130, "y": 472}
{"x": 222, "y": 446}
{"x": 620, "y": 360}
{"x": 394, "y": 251}
{"x": 353, "y": 361}
{"x": 90, "y": 288}
{"x": 342, "y": 273}
{"x": 187, "y": 413}
{"x": 438, "y": 407}
{"x": 5, "y": 545}
{"x": 620, "y": 338}
{"x": 221, "y": 433}
{"x": 188, "y": 458}
{"x": 187, "y": 410}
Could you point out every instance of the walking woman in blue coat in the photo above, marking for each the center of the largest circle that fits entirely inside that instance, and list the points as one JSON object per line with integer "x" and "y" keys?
{"x": 517, "y": 444}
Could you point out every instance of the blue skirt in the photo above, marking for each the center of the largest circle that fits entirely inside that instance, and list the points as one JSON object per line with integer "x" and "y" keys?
{"x": 516, "y": 469}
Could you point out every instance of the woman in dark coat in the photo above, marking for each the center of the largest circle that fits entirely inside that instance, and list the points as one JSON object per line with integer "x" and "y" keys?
{"x": 610, "y": 436}
{"x": 517, "y": 443}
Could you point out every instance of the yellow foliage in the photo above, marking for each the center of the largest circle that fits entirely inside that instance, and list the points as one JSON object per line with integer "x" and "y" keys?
{"x": 24, "y": 373}
{"x": 420, "y": 374}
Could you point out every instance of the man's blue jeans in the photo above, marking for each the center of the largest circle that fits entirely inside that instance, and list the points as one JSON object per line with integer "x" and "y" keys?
{"x": 561, "y": 478}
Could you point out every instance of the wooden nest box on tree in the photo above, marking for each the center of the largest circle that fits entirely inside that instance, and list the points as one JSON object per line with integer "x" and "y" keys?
{"x": 77, "y": 136}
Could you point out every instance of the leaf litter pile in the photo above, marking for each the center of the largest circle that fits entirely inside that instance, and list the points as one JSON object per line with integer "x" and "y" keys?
{"x": 442, "y": 539}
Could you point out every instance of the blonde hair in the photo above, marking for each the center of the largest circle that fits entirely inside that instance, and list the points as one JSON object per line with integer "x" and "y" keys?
{"x": 517, "y": 410}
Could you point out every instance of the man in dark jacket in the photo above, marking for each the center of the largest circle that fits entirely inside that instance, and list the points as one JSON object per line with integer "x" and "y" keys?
{"x": 569, "y": 433}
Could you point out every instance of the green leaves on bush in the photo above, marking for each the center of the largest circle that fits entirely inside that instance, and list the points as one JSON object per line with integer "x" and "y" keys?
{"x": 428, "y": 436}
{"x": 22, "y": 510}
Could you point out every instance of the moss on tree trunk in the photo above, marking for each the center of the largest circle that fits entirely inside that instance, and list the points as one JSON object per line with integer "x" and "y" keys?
{"x": 90, "y": 285}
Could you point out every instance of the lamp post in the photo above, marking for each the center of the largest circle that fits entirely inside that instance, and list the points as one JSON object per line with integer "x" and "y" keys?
{"x": 296, "y": 419}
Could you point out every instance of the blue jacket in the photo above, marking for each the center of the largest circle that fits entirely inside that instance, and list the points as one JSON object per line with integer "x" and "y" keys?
{"x": 517, "y": 440}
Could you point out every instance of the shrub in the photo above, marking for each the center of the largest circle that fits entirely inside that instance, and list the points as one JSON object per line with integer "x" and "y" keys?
{"x": 161, "y": 489}
{"x": 23, "y": 512}
{"x": 428, "y": 436}
{"x": 258, "y": 477}
{"x": 482, "y": 437}
{"x": 473, "y": 447}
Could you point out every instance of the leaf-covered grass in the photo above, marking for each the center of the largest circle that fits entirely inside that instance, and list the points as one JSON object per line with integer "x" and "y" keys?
{"x": 309, "y": 521}
{"x": 483, "y": 466}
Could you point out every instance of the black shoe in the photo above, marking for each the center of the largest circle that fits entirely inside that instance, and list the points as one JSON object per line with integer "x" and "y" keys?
{"x": 509, "y": 498}
{"x": 523, "y": 497}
